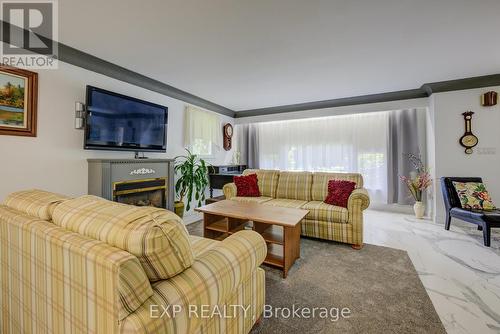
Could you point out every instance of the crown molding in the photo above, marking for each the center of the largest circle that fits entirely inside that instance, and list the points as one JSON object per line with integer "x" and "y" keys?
{"x": 461, "y": 84}
{"x": 342, "y": 102}
{"x": 425, "y": 90}
{"x": 87, "y": 61}
{"x": 92, "y": 63}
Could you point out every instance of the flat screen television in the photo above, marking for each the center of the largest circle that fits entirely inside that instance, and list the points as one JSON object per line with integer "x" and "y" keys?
{"x": 123, "y": 123}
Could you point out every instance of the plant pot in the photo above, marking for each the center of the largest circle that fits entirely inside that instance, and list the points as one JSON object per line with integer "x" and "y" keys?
{"x": 419, "y": 209}
{"x": 179, "y": 208}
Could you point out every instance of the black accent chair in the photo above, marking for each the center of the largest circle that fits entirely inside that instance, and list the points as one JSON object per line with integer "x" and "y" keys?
{"x": 484, "y": 220}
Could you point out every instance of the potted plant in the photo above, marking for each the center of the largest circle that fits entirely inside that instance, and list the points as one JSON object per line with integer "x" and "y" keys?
{"x": 192, "y": 181}
{"x": 417, "y": 183}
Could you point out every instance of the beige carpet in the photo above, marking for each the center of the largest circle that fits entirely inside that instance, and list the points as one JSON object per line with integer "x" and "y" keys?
{"x": 379, "y": 286}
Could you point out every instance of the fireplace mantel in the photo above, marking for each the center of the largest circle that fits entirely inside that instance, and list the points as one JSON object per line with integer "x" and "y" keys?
{"x": 106, "y": 174}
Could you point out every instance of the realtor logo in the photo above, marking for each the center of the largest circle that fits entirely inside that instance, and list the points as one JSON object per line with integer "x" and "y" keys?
{"x": 29, "y": 32}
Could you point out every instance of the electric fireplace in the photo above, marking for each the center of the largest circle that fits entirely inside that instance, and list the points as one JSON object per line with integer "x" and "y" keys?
{"x": 141, "y": 182}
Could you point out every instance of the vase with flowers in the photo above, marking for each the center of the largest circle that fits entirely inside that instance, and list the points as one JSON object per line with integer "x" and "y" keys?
{"x": 417, "y": 182}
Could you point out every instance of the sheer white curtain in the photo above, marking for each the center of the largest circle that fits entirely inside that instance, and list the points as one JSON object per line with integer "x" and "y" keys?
{"x": 351, "y": 143}
{"x": 202, "y": 130}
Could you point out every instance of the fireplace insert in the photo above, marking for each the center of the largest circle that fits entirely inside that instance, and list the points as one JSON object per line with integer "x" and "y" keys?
{"x": 145, "y": 192}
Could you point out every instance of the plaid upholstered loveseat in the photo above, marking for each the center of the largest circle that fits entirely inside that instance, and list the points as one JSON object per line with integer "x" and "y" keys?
{"x": 308, "y": 190}
{"x": 87, "y": 265}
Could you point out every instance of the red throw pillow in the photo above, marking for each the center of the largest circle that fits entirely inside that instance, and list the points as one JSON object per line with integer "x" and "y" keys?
{"x": 339, "y": 192}
{"x": 247, "y": 185}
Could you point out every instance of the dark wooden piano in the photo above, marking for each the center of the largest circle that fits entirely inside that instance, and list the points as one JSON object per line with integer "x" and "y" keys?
{"x": 218, "y": 176}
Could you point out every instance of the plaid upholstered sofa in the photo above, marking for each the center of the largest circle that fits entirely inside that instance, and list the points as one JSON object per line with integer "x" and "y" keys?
{"x": 308, "y": 190}
{"x": 87, "y": 265}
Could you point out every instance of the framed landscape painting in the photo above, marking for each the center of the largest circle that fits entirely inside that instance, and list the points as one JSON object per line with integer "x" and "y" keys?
{"x": 18, "y": 101}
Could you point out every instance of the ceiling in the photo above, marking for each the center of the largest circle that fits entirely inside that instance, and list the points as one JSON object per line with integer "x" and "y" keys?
{"x": 248, "y": 54}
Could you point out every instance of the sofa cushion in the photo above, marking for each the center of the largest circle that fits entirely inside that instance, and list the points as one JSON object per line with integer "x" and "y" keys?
{"x": 294, "y": 185}
{"x": 267, "y": 180}
{"x": 157, "y": 237}
{"x": 286, "y": 203}
{"x": 319, "y": 189}
{"x": 491, "y": 216}
{"x": 331, "y": 231}
{"x": 339, "y": 192}
{"x": 246, "y": 185}
{"x": 319, "y": 210}
{"x": 34, "y": 202}
{"x": 260, "y": 199}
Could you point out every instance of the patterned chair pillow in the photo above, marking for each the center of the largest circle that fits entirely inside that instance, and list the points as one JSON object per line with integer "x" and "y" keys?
{"x": 473, "y": 195}
{"x": 157, "y": 237}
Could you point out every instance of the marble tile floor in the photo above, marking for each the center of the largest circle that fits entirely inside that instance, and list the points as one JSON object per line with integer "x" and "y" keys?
{"x": 461, "y": 276}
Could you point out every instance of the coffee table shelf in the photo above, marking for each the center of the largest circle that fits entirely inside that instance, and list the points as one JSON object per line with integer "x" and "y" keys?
{"x": 238, "y": 228}
{"x": 279, "y": 227}
{"x": 221, "y": 236}
{"x": 275, "y": 256}
{"x": 273, "y": 235}
{"x": 219, "y": 225}
{"x": 226, "y": 225}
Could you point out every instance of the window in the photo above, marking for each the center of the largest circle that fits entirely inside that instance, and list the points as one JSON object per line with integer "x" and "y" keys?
{"x": 201, "y": 147}
{"x": 203, "y": 132}
{"x": 351, "y": 143}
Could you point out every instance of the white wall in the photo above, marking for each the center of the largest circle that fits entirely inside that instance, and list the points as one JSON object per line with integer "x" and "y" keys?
{"x": 448, "y": 124}
{"x": 55, "y": 160}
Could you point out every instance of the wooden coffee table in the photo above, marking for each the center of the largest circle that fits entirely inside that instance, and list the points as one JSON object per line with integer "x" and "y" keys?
{"x": 280, "y": 227}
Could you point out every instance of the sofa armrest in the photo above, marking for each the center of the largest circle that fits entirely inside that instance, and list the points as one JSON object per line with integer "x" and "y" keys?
{"x": 232, "y": 260}
{"x": 229, "y": 190}
{"x": 224, "y": 267}
{"x": 358, "y": 199}
{"x": 214, "y": 276}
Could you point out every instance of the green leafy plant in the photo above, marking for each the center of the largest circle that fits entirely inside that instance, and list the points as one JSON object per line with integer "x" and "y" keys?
{"x": 193, "y": 178}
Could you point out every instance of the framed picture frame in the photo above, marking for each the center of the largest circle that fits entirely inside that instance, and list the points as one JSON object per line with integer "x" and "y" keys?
{"x": 18, "y": 101}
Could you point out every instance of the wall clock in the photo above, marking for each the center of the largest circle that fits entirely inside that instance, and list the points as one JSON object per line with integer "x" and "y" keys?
{"x": 468, "y": 140}
{"x": 228, "y": 134}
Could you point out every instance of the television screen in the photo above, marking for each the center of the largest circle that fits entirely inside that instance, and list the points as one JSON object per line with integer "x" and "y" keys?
{"x": 119, "y": 122}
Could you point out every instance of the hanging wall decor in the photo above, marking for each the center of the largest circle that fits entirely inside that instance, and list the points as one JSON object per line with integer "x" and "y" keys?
{"x": 18, "y": 101}
{"x": 489, "y": 99}
{"x": 468, "y": 140}
{"x": 227, "y": 134}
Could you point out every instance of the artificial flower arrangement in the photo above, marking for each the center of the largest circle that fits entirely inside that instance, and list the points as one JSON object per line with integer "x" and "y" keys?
{"x": 417, "y": 182}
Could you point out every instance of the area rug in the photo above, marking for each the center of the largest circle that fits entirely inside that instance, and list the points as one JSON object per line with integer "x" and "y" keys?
{"x": 378, "y": 285}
